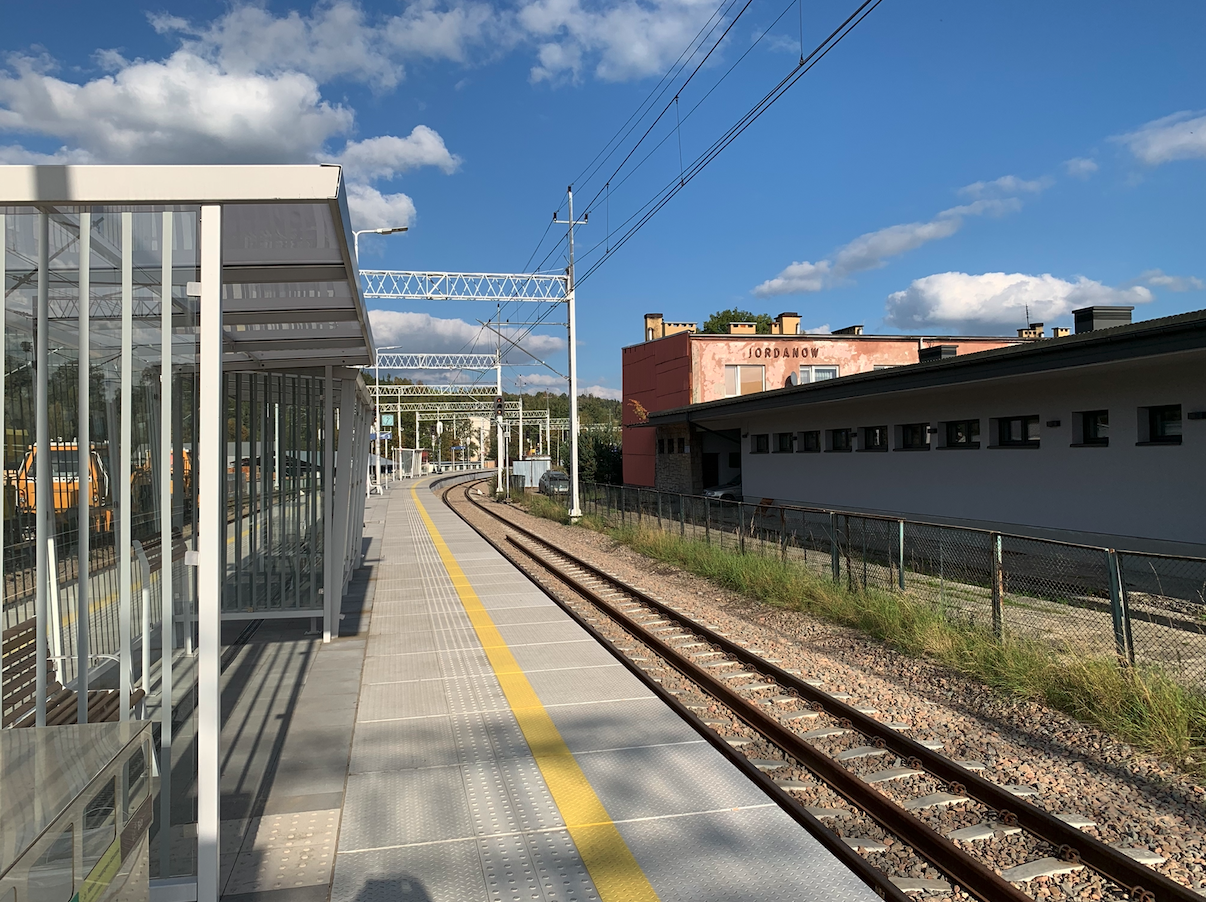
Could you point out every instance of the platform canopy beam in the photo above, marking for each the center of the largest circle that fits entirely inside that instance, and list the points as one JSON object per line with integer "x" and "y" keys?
{"x": 463, "y": 286}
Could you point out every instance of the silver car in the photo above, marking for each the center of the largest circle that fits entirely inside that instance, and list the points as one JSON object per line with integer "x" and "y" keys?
{"x": 554, "y": 482}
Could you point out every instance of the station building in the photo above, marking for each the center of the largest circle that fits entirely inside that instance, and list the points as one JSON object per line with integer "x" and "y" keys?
{"x": 676, "y": 365}
{"x": 1099, "y": 435}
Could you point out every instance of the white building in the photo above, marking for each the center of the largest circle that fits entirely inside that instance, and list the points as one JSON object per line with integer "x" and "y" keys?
{"x": 1097, "y": 437}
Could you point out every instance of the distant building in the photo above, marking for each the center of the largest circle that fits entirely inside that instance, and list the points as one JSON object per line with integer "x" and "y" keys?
{"x": 1101, "y": 434}
{"x": 677, "y": 365}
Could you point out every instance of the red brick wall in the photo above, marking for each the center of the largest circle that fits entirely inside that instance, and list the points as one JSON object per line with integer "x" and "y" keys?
{"x": 657, "y": 376}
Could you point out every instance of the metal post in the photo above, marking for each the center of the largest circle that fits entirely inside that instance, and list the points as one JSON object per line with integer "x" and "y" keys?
{"x": 174, "y": 458}
{"x": 682, "y": 519}
{"x": 84, "y": 467}
{"x": 498, "y": 417}
{"x": 707, "y": 521}
{"x": 1126, "y": 653}
{"x": 43, "y": 486}
{"x": 210, "y": 531}
{"x": 144, "y": 569}
{"x": 125, "y": 560}
{"x": 998, "y": 587}
{"x": 572, "y": 332}
{"x": 741, "y": 526}
{"x": 835, "y": 550}
{"x": 901, "y": 559}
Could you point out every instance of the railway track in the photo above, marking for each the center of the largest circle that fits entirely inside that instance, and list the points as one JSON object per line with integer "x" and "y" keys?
{"x": 783, "y": 731}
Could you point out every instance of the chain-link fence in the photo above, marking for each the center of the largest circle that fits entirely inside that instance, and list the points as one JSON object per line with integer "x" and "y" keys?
{"x": 1144, "y": 608}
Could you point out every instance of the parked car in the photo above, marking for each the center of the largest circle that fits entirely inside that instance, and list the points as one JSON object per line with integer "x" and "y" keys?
{"x": 554, "y": 482}
{"x": 730, "y": 491}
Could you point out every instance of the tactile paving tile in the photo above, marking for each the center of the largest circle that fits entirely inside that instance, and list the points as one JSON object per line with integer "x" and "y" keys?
{"x": 385, "y": 701}
{"x": 757, "y": 855}
{"x": 286, "y": 851}
{"x": 398, "y": 744}
{"x": 396, "y": 808}
{"x": 443, "y": 872}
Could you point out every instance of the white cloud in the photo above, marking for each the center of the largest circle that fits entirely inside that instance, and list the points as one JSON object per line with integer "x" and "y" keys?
{"x": 370, "y": 209}
{"x": 14, "y": 154}
{"x": 386, "y": 156}
{"x": 625, "y": 40}
{"x": 871, "y": 251}
{"x": 1080, "y": 167}
{"x": 1159, "y": 279}
{"x": 1006, "y": 184}
{"x": 421, "y": 332}
{"x": 822, "y": 329}
{"x": 182, "y": 109}
{"x": 602, "y": 391}
{"x": 1181, "y": 136}
{"x": 998, "y": 301}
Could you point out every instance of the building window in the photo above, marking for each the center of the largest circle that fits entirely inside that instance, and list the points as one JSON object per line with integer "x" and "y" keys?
{"x": 817, "y": 374}
{"x": 682, "y": 446}
{"x": 1094, "y": 427}
{"x": 1164, "y": 425}
{"x": 743, "y": 380}
{"x": 875, "y": 438}
{"x": 759, "y": 444}
{"x": 914, "y": 437}
{"x": 841, "y": 439}
{"x": 809, "y": 442}
{"x": 661, "y": 446}
{"x": 1018, "y": 432}
{"x": 734, "y": 460}
{"x": 783, "y": 442}
{"x": 963, "y": 434}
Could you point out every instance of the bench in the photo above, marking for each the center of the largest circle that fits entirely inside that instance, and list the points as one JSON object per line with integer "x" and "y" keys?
{"x": 19, "y": 696}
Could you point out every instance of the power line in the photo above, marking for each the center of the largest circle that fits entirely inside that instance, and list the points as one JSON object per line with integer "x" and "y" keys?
{"x": 659, "y": 200}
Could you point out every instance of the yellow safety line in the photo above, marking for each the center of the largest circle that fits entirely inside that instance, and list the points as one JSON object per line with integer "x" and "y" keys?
{"x": 614, "y": 870}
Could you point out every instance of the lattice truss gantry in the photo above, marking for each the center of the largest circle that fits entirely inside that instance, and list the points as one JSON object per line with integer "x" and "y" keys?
{"x": 463, "y": 286}
{"x": 392, "y": 360}
{"x": 481, "y": 390}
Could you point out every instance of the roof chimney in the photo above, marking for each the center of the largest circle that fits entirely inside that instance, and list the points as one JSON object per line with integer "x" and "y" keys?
{"x": 653, "y": 326}
{"x": 1035, "y": 330}
{"x": 743, "y": 328}
{"x": 935, "y": 353}
{"x": 849, "y": 330}
{"x": 786, "y": 324}
{"x": 1060, "y": 332}
{"x": 1090, "y": 319}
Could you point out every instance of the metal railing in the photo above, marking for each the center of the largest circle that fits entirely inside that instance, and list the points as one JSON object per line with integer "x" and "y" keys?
{"x": 1143, "y": 608}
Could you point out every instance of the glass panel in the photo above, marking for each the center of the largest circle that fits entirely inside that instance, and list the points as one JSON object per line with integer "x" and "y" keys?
{"x": 52, "y": 877}
{"x": 820, "y": 373}
{"x": 100, "y": 825}
{"x": 805, "y": 375}
{"x": 751, "y": 380}
{"x": 730, "y": 381}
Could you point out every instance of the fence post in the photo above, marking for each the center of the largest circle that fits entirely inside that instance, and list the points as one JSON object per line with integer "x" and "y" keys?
{"x": 640, "y": 505}
{"x": 835, "y": 551}
{"x": 682, "y": 519}
{"x": 741, "y": 526}
{"x": 1126, "y": 651}
{"x": 901, "y": 559}
{"x": 783, "y": 534}
{"x": 659, "y": 510}
{"x": 707, "y": 521}
{"x": 998, "y": 587}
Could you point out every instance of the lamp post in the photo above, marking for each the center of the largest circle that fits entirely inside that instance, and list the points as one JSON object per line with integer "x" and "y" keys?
{"x": 387, "y": 230}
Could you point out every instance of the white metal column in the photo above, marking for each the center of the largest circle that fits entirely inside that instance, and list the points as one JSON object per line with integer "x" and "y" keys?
{"x": 171, "y": 458}
{"x": 210, "y": 466}
{"x": 42, "y": 482}
{"x": 84, "y": 464}
{"x": 3, "y": 363}
{"x": 330, "y": 595}
{"x": 125, "y": 561}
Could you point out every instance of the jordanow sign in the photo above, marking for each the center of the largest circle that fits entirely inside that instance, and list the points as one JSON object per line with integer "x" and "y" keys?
{"x": 775, "y": 353}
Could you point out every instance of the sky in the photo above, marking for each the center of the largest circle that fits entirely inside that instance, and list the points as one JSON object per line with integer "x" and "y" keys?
{"x": 946, "y": 168}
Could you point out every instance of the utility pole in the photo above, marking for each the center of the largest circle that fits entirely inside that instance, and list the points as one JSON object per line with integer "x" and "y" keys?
{"x": 519, "y": 444}
{"x": 498, "y": 415}
{"x": 575, "y": 510}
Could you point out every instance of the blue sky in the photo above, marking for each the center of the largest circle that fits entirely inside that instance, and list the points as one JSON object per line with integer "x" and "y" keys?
{"x": 945, "y": 166}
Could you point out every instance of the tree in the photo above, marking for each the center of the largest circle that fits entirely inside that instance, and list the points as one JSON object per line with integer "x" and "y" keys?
{"x": 718, "y": 322}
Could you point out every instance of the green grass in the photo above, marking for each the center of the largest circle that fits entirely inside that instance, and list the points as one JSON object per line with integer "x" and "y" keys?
{"x": 541, "y": 506}
{"x": 1144, "y": 706}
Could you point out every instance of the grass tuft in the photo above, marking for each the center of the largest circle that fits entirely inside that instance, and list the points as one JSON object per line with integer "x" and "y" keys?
{"x": 1143, "y": 706}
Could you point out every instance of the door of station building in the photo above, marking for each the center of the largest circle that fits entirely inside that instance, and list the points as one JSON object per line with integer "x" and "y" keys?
{"x": 711, "y": 470}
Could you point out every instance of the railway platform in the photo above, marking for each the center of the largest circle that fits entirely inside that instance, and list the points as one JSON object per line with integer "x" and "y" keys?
{"x": 500, "y": 753}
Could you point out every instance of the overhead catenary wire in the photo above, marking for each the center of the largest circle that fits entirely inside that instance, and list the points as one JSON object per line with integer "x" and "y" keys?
{"x": 664, "y": 196}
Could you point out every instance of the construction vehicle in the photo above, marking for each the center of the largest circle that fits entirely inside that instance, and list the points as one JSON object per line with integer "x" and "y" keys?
{"x": 65, "y": 482}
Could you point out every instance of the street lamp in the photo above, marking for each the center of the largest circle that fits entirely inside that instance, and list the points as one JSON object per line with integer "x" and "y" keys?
{"x": 387, "y": 230}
